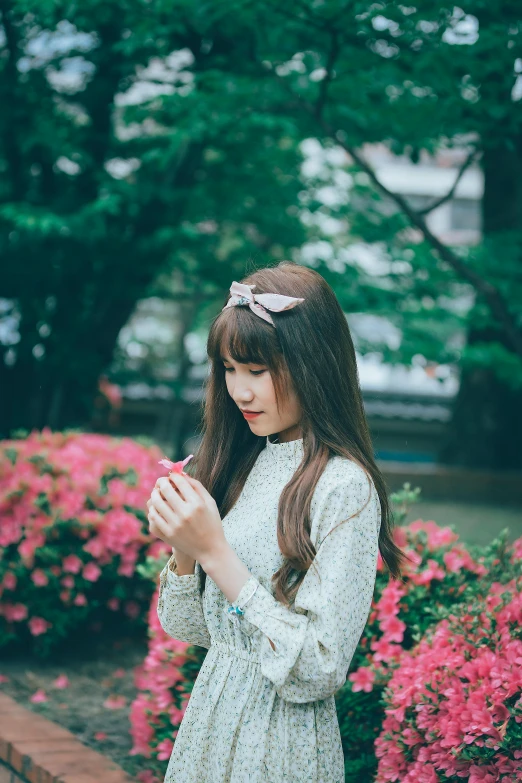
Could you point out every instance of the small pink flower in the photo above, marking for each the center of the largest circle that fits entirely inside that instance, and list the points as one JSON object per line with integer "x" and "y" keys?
{"x": 39, "y": 577}
{"x": 39, "y": 696}
{"x": 132, "y": 609}
{"x": 164, "y": 749}
{"x": 363, "y": 679}
{"x": 62, "y": 681}
{"x": 126, "y": 569}
{"x": 9, "y": 581}
{"x": 67, "y": 581}
{"x": 72, "y": 564}
{"x": 115, "y": 702}
{"x": 80, "y": 600}
{"x": 91, "y": 572}
{"x": 113, "y": 604}
{"x": 28, "y": 547}
{"x": 100, "y": 736}
{"x": 119, "y": 673}
{"x": 147, "y": 776}
{"x": 175, "y": 467}
{"x": 37, "y": 625}
{"x": 15, "y": 612}
{"x": 3, "y": 678}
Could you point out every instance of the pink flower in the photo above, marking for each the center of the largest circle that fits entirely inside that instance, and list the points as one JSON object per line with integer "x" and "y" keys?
{"x": 113, "y": 604}
{"x": 164, "y": 749}
{"x": 147, "y": 776}
{"x": 39, "y": 577}
{"x": 3, "y": 678}
{"x": 132, "y": 609}
{"x": 91, "y": 572}
{"x": 111, "y": 391}
{"x": 62, "y": 681}
{"x": 28, "y": 547}
{"x": 100, "y": 736}
{"x": 115, "y": 702}
{"x": 118, "y": 531}
{"x": 15, "y": 612}
{"x": 9, "y": 581}
{"x": 175, "y": 467}
{"x": 80, "y": 600}
{"x": 37, "y": 625}
{"x": 119, "y": 673}
{"x": 67, "y": 581}
{"x": 39, "y": 696}
{"x": 126, "y": 569}
{"x": 72, "y": 564}
{"x": 363, "y": 679}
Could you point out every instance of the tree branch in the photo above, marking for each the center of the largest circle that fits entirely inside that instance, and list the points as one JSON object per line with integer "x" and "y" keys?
{"x": 490, "y": 292}
{"x": 449, "y": 195}
{"x": 323, "y": 90}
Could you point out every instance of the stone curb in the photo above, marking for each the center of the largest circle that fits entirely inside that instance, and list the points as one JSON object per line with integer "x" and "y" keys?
{"x": 41, "y": 751}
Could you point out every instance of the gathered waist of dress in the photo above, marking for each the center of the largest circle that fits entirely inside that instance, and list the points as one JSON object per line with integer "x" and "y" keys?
{"x": 225, "y": 648}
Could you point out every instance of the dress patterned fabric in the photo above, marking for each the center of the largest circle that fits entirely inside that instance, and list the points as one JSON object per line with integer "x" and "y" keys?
{"x": 263, "y": 714}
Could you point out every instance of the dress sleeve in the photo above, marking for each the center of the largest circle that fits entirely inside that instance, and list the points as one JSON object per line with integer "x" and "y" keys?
{"x": 180, "y": 605}
{"x": 316, "y": 638}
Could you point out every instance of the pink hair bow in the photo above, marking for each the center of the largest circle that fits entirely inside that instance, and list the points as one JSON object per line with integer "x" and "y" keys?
{"x": 260, "y": 303}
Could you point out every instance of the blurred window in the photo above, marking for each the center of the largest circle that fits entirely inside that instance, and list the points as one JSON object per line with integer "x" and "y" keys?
{"x": 465, "y": 214}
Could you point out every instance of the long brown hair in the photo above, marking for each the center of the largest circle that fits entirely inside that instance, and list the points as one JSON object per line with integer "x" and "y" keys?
{"x": 311, "y": 349}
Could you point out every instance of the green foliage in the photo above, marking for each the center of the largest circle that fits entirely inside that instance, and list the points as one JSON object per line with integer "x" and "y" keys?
{"x": 402, "y": 501}
{"x": 150, "y": 569}
{"x": 112, "y": 193}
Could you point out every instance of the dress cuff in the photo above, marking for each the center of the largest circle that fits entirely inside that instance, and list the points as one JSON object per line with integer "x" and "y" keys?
{"x": 177, "y": 582}
{"x": 246, "y": 591}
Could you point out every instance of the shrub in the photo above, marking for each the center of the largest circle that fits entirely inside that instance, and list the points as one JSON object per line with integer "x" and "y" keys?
{"x": 165, "y": 681}
{"x": 442, "y": 577}
{"x": 454, "y": 706}
{"x": 73, "y": 529}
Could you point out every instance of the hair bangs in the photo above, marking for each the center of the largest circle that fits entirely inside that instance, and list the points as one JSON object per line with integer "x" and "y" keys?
{"x": 245, "y": 338}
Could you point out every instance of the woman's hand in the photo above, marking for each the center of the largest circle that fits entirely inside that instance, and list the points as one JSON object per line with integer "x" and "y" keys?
{"x": 184, "y": 515}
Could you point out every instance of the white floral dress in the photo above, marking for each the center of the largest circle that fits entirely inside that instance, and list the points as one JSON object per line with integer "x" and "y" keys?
{"x": 258, "y": 714}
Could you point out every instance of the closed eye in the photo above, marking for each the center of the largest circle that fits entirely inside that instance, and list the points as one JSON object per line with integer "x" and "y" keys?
{"x": 254, "y": 372}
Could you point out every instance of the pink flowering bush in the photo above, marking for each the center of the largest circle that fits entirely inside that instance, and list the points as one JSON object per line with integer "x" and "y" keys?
{"x": 454, "y": 706}
{"x": 443, "y": 575}
{"x": 73, "y": 533}
{"x": 164, "y": 681}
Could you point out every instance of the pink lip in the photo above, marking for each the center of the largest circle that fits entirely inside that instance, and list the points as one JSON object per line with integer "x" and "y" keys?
{"x": 251, "y": 415}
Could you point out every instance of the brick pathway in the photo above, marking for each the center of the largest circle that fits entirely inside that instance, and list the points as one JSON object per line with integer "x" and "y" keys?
{"x": 35, "y": 750}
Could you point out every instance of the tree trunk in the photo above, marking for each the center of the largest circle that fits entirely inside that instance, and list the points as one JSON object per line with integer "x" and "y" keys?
{"x": 486, "y": 428}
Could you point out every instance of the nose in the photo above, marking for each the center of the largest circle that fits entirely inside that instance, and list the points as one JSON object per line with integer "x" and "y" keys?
{"x": 242, "y": 395}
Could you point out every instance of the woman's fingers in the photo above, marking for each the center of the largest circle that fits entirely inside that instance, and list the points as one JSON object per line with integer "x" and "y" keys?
{"x": 166, "y": 509}
{"x": 186, "y": 486}
{"x": 173, "y": 498}
{"x": 157, "y": 525}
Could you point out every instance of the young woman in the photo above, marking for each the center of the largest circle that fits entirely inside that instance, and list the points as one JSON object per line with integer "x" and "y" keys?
{"x": 275, "y": 537}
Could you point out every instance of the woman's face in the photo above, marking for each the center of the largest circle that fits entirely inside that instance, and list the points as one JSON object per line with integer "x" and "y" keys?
{"x": 251, "y": 388}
